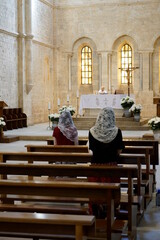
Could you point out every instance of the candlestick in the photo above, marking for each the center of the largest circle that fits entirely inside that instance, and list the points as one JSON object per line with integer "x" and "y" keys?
{"x": 49, "y": 106}
{"x": 58, "y": 102}
{"x": 67, "y": 98}
{"x": 77, "y": 94}
{"x": 77, "y": 107}
{"x": 49, "y": 127}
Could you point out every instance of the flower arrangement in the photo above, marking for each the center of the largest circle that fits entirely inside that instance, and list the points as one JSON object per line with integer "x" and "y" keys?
{"x": 127, "y": 102}
{"x": 54, "y": 117}
{"x": 136, "y": 108}
{"x": 154, "y": 123}
{"x": 2, "y": 122}
{"x": 70, "y": 108}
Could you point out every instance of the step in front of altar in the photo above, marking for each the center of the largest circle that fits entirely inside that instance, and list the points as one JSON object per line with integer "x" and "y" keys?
{"x": 85, "y": 123}
{"x": 93, "y": 112}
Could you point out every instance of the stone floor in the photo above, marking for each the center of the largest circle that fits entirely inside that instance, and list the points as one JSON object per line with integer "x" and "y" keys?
{"x": 149, "y": 227}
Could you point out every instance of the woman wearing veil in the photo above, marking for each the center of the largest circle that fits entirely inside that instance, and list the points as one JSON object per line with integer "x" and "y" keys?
{"x": 65, "y": 133}
{"x": 105, "y": 141}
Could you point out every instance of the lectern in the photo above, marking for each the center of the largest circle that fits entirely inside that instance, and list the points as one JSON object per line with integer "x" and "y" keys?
{"x": 2, "y": 105}
{"x": 156, "y": 100}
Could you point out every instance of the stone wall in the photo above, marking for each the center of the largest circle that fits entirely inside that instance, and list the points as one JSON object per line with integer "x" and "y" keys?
{"x": 109, "y": 24}
{"x": 41, "y": 40}
{"x": 26, "y": 47}
{"x": 8, "y": 52}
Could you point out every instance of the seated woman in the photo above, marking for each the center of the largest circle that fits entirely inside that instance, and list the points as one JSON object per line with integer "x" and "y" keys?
{"x": 65, "y": 133}
{"x": 105, "y": 141}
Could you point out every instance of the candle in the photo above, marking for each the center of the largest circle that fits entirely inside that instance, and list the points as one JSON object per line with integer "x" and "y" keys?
{"x": 77, "y": 94}
{"x": 67, "y": 98}
{"x": 49, "y": 106}
{"x": 58, "y": 102}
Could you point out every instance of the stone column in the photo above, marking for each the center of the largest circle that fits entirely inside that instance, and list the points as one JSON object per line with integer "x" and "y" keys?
{"x": 109, "y": 73}
{"x": 28, "y": 52}
{"x": 104, "y": 70}
{"x": 150, "y": 71}
{"x": 141, "y": 71}
{"x": 99, "y": 70}
{"x": 145, "y": 71}
{"x": 21, "y": 51}
{"x": 69, "y": 72}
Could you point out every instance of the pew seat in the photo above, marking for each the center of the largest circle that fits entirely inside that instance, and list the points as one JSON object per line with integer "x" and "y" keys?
{"x": 21, "y": 224}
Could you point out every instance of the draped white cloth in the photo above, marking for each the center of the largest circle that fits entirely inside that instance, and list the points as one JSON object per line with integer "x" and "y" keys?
{"x": 100, "y": 101}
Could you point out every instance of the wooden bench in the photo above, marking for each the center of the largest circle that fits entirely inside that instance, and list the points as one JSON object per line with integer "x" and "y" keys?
{"x": 81, "y": 141}
{"x": 75, "y": 158}
{"x": 137, "y": 160}
{"x": 57, "y": 148}
{"x": 30, "y": 225}
{"x": 147, "y": 177}
{"x": 10, "y": 223}
{"x": 72, "y": 171}
{"x": 154, "y": 156}
{"x": 14, "y": 118}
{"x": 53, "y": 157}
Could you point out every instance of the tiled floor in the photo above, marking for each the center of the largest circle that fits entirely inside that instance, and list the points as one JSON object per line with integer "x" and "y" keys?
{"x": 149, "y": 227}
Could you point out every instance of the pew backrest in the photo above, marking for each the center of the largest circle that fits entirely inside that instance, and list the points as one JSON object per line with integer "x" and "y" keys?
{"x": 105, "y": 192}
{"x": 58, "y": 148}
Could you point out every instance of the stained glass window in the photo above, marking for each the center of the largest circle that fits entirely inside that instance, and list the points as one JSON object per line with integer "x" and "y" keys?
{"x": 86, "y": 65}
{"x": 126, "y": 63}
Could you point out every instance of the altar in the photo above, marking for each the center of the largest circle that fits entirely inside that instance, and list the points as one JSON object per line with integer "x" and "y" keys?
{"x": 98, "y": 101}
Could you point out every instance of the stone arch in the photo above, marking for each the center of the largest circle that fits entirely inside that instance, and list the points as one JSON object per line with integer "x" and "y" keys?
{"x": 156, "y": 66}
{"x": 116, "y": 47}
{"x": 76, "y": 65}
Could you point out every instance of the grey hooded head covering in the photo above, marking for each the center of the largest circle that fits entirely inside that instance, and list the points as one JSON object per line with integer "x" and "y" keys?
{"x": 67, "y": 126}
{"x": 105, "y": 129}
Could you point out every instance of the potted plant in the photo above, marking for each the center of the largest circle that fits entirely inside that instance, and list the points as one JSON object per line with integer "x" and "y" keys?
{"x": 69, "y": 108}
{"x": 2, "y": 124}
{"x": 126, "y": 103}
{"x": 54, "y": 118}
{"x": 136, "y": 109}
{"x": 154, "y": 124}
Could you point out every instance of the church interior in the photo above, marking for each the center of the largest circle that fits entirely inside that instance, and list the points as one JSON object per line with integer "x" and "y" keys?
{"x": 60, "y": 53}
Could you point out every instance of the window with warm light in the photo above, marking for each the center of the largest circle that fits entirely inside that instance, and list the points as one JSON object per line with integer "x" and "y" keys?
{"x": 126, "y": 63}
{"x": 86, "y": 65}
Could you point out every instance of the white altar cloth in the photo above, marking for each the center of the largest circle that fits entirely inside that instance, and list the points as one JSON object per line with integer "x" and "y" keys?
{"x": 100, "y": 101}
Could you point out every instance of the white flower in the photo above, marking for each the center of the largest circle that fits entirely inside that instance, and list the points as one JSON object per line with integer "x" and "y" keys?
{"x": 69, "y": 108}
{"x": 136, "y": 108}
{"x": 127, "y": 102}
{"x": 54, "y": 116}
{"x": 2, "y": 122}
{"x": 154, "y": 123}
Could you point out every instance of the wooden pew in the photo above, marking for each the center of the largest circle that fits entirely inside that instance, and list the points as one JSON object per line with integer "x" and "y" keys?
{"x": 136, "y": 159}
{"x": 147, "y": 177}
{"x": 14, "y": 118}
{"x": 57, "y": 148}
{"x": 104, "y": 192}
{"x": 78, "y": 170}
{"x": 81, "y": 141}
{"x": 154, "y": 156}
{"x": 77, "y": 158}
{"x": 31, "y": 157}
{"x": 147, "y": 150}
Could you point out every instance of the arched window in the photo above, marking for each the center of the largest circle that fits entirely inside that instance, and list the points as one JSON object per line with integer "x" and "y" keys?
{"x": 126, "y": 63}
{"x": 86, "y": 65}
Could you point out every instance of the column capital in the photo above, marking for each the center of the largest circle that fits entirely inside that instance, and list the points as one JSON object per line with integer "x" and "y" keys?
{"x": 29, "y": 36}
{"x": 21, "y": 35}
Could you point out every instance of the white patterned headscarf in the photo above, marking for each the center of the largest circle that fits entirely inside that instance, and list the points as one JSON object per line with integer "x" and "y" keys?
{"x": 105, "y": 129}
{"x": 67, "y": 126}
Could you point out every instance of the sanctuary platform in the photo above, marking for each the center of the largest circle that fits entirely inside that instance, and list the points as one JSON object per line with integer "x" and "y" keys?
{"x": 85, "y": 123}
